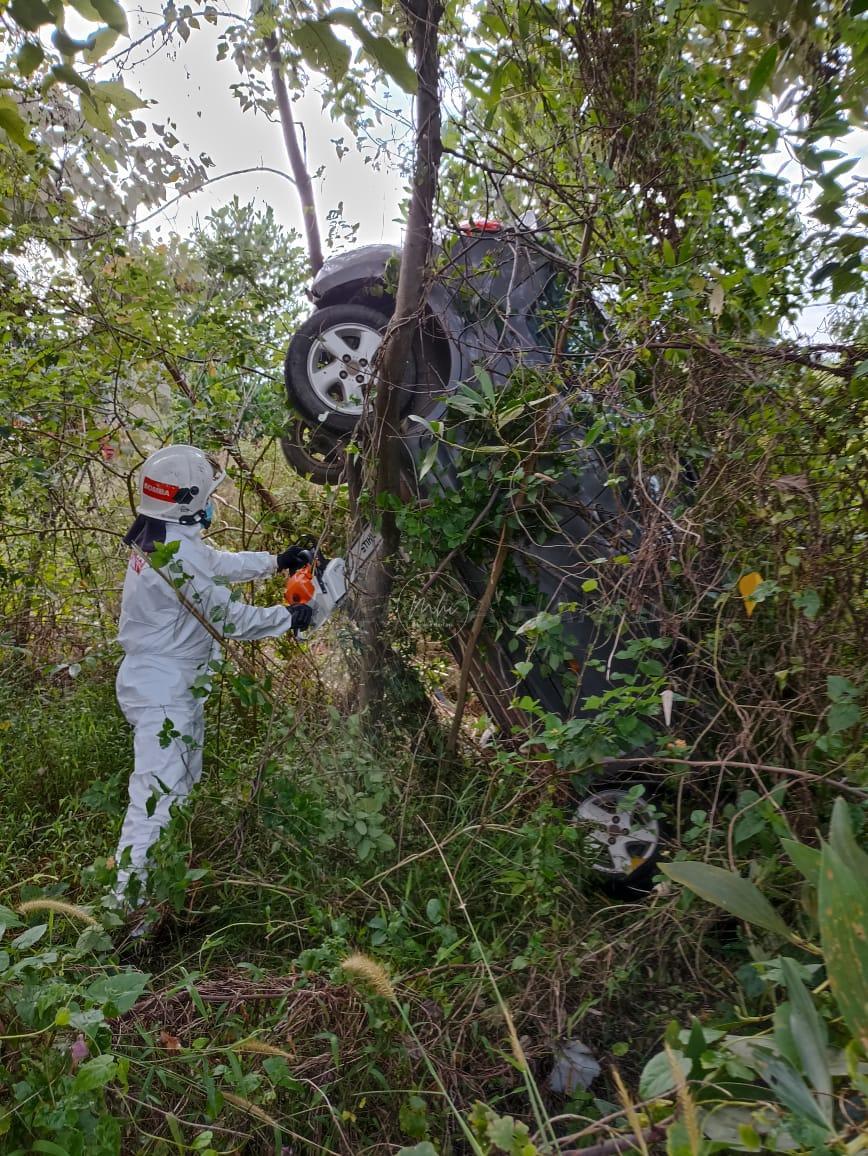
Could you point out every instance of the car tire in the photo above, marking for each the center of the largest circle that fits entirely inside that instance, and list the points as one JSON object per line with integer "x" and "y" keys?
{"x": 314, "y": 453}
{"x": 328, "y": 365}
{"x": 628, "y": 836}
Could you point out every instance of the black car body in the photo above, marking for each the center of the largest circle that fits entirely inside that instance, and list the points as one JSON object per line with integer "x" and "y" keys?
{"x": 488, "y": 313}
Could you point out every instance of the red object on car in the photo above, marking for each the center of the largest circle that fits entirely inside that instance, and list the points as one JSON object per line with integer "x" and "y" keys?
{"x": 480, "y": 225}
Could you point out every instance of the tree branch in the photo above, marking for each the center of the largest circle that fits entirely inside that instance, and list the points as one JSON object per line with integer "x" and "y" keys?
{"x": 296, "y": 161}
{"x": 473, "y": 636}
{"x": 619, "y": 1143}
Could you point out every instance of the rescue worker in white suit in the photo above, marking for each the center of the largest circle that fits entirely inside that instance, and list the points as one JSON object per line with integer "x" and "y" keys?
{"x": 168, "y": 650}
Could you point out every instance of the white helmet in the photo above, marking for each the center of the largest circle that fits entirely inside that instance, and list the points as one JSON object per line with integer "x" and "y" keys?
{"x": 175, "y": 484}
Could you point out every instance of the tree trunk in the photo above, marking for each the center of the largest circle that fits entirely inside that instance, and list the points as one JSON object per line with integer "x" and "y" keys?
{"x": 382, "y": 437}
{"x": 300, "y": 175}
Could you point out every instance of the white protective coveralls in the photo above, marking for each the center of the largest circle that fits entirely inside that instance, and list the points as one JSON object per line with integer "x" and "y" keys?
{"x": 167, "y": 652}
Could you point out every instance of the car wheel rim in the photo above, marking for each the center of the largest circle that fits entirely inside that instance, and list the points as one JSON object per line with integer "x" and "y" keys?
{"x": 340, "y": 365}
{"x": 623, "y": 831}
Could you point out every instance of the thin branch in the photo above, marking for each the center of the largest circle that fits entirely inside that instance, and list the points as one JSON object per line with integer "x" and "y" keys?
{"x": 792, "y": 772}
{"x": 619, "y": 1144}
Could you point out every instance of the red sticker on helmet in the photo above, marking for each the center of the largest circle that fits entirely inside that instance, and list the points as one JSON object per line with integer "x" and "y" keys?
{"x": 162, "y": 491}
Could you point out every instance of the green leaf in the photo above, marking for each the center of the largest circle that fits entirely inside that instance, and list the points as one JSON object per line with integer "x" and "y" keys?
{"x": 762, "y": 73}
{"x": 99, "y": 43}
{"x": 809, "y": 1034}
{"x": 844, "y": 842}
{"x": 49, "y": 1148}
{"x": 668, "y": 252}
{"x": 95, "y": 1073}
{"x": 426, "y": 1148}
{"x": 809, "y": 602}
{"x": 789, "y": 1087}
{"x": 782, "y": 1036}
{"x": 8, "y": 918}
{"x": 678, "y": 1141}
{"x": 841, "y": 689}
{"x": 387, "y": 55}
{"x": 748, "y": 1137}
{"x": 658, "y": 1078}
{"x": 805, "y": 859}
{"x": 696, "y": 1043}
{"x": 434, "y": 910}
{"x": 68, "y": 75}
{"x": 96, "y": 113}
{"x": 727, "y": 890}
{"x": 841, "y": 716}
{"x": 506, "y": 1133}
{"x": 843, "y": 916}
{"x": 163, "y": 553}
{"x": 30, "y": 14}
{"x": 30, "y": 936}
{"x": 123, "y": 100}
{"x": 321, "y": 49}
{"x": 65, "y": 44}
{"x": 86, "y": 9}
{"x": 12, "y": 123}
{"x": 429, "y": 459}
{"x": 30, "y": 55}
{"x": 112, "y": 13}
{"x": 122, "y": 989}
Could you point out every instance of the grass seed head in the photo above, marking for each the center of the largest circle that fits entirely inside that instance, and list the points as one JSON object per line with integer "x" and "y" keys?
{"x": 59, "y": 908}
{"x": 362, "y": 967}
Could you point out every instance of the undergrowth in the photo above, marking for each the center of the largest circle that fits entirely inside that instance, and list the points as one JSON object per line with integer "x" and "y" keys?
{"x": 466, "y": 881}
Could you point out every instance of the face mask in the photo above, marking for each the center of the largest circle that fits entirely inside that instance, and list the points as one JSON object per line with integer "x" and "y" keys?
{"x": 208, "y": 515}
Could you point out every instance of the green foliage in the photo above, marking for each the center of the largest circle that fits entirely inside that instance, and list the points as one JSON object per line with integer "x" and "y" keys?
{"x": 843, "y": 911}
{"x": 644, "y": 136}
{"x": 500, "y": 1133}
{"x": 59, "y": 994}
{"x": 680, "y": 90}
{"x": 807, "y": 1046}
{"x": 736, "y": 895}
{"x": 303, "y": 892}
{"x": 33, "y": 62}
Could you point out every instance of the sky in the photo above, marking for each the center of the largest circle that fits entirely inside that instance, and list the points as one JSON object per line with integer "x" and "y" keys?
{"x": 192, "y": 88}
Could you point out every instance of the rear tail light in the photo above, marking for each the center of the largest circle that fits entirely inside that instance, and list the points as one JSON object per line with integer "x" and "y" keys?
{"x": 480, "y": 225}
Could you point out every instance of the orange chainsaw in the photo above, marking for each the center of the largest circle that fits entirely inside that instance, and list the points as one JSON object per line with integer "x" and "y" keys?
{"x": 321, "y": 585}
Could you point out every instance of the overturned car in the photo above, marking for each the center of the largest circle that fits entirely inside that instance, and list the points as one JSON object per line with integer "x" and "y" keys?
{"x": 493, "y": 312}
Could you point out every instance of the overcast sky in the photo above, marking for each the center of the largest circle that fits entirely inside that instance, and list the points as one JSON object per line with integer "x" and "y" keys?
{"x": 193, "y": 89}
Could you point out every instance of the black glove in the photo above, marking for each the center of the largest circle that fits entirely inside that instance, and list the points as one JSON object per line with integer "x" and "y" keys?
{"x": 301, "y": 615}
{"x": 293, "y": 559}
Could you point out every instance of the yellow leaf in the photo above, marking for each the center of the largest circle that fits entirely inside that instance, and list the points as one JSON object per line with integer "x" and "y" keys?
{"x": 747, "y": 584}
